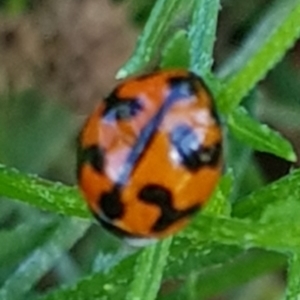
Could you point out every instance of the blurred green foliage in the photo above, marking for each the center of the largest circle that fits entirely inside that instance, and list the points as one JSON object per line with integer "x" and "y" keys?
{"x": 13, "y": 7}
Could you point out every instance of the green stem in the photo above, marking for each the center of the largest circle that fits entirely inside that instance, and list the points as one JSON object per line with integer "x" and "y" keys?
{"x": 293, "y": 289}
{"x": 148, "y": 271}
{"x": 202, "y": 35}
{"x": 41, "y": 193}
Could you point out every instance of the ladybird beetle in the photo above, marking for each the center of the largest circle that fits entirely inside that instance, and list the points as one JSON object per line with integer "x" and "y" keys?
{"x": 150, "y": 154}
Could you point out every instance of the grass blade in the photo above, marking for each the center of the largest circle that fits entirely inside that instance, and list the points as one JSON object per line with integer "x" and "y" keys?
{"x": 152, "y": 35}
{"x": 202, "y": 35}
{"x": 265, "y": 48}
{"x": 176, "y": 52}
{"x": 100, "y": 286}
{"x": 42, "y": 259}
{"x": 259, "y": 136}
{"x": 219, "y": 204}
{"x": 41, "y": 193}
{"x": 293, "y": 288}
{"x": 148, "y": 271}
{"x": 283, "y": 189}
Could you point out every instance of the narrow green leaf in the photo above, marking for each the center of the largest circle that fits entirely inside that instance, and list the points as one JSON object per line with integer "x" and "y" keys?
{"x": 293, "y": 282}
{"x": 152, "y": 35}
{"x": 283, "y": 189}
{"x": 41, "y": 193}
{"x": 100, "y": 286}
{"x": 148, "y": 271}
{"x": 281, "y": 211}
{"x": 267, "y": 45}
{"x": 186, "y": 257}
{"x": 26, "y": 236}
{"x": 252, "y": 179}
{"x": 222, "y": 276}
{"x": 202, "y": 35}
{"x": 238, "y": 157}
{"x": 176, "y": 53}
{"x": 281, "y": 236}
{"x": 219, "y": 204}
{"x": 266, "y": 25}
{"x": 122, "y": 278}
{"x": 42, "y": 259}
{"x": 259, "y": 136}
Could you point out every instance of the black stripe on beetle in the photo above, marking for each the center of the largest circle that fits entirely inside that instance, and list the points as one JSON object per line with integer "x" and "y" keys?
{"x": 162, "y": 197}
{"x": 182, "y": 87}
{"x": 117, "y": 108}
{"x": 179, "y": 91}
{"x": 92, "y": 155}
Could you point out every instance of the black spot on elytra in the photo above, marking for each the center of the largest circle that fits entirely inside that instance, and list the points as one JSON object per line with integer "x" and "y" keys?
{"x": 110, "y": 203}
{"x": 182, "y": 87}
{"x": 162, "y": 197}
{"x": 117, "y": 108}
{"x": 193, "y": 155}
{"x": 210, "y": 156}
{"x": 92, "y": 155}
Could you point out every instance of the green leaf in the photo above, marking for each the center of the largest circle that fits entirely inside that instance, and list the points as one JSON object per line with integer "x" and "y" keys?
{"x": 148, "y": 271}
{"x": 154, "y": 31}
{"x": 227, "y": 274}
{"x": 26, "y": 236}
{"x": 281, "y": 236}
{"x": 238, "y": 157}
{"x": 44, "y": 194}
{"x": 202, "y": 35}
{"x": 282, "y": 211}
{"x": 293, "y": 282}
{"x": 176, "y": 52}
{"x": 219, "y": 204}
{"x": 263, "y": 50}
{"x": 256, "y": 203}
{"x": 186, "y": 257}
{"x": 111, "y": 285}
{"x": 259, "y": 136}
{"x": 42, "y": 259}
